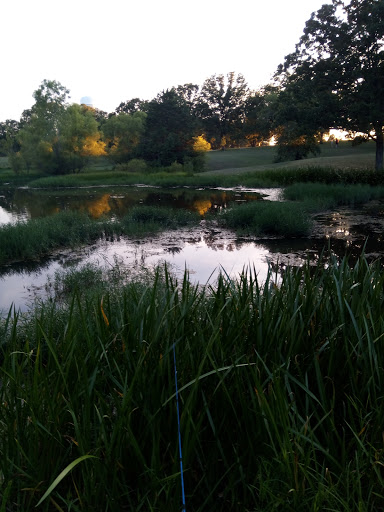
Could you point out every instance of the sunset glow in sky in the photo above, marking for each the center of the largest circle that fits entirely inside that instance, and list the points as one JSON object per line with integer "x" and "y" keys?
{"x": 117, "y": 50}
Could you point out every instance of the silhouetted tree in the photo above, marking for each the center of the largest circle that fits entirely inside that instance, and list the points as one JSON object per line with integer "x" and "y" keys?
{"x": 339, "y": 65}
{"x": 221, "y": 107}
{"x": 131, "y": 106}
{"x": 169, "y": 130}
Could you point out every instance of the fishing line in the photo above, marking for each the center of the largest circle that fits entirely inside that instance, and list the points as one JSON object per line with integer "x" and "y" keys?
{"x": 179, "y": 433}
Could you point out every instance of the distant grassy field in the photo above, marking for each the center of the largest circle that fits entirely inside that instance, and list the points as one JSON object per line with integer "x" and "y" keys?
{"x": 237, "y": 161}
{"x": 248, "y": 167}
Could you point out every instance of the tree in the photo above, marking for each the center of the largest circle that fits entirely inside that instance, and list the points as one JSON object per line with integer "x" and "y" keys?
{"x": 131, "y": 106}
{"x": 123, "y": 133}
{"x": 221, "y": 106}
{"x": 8, "y": 137}
{"x": 169, "y": 130}
{"x": 189, "y": 93}
{"x": 78, "y": 139}
{"x": 40, "y": 126}
{"x": 56, "y": 137}
{"x": 301, "y": 116}
{"x": 342, "y": 49}
{"x": 259, "y": 115}
{"x": 200, "y": 145}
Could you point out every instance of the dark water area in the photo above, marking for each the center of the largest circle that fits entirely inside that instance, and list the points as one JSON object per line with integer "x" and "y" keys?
{"x": 25, "y": 203}
{"x": 204, "y": 250}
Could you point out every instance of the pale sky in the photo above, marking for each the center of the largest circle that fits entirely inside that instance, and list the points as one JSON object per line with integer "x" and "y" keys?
{"x": 116, "y": 50}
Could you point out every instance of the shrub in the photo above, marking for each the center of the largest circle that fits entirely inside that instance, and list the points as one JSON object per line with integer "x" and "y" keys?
{"x": 137, "y": 165}
{"x": 175, "y": 167}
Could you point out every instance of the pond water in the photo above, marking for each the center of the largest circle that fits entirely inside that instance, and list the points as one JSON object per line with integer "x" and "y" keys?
{"x": 25, "y": 203}
{"x": 203, "y": 250}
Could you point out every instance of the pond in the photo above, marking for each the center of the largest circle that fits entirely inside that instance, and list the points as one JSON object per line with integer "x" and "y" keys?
{"x": 25, "y": 203}
{"x": 204, "y": 250}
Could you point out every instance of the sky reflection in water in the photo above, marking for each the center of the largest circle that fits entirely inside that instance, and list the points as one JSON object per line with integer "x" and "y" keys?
{"x": 203, "y": 258}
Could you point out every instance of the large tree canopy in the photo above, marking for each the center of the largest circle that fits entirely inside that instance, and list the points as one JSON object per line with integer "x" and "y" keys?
{"x": 123, "y": 133}
{"x": 339, "y": 61}
{"x": 221, "y": 106}
{"x": 56, "y": 137}
{"x": 169, "y": 130}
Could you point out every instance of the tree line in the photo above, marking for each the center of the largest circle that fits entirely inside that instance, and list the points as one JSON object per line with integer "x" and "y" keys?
{"x": 333, "y": 79}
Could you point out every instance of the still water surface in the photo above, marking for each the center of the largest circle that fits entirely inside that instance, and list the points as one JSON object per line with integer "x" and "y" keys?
{"x": 25, "y": 203}
{"x": 203, "y": 250}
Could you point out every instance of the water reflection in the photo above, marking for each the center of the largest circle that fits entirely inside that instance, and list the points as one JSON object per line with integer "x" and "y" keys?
{"x": 203, "y": 250}
{"x": 24, "y": 203}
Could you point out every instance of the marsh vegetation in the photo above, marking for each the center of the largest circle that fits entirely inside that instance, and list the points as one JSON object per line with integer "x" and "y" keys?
{"x": 279, "y": 378}
{"x": 280, "y": 392}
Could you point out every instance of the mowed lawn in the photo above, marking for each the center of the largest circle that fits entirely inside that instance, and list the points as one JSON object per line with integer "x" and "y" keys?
{"x": 237, "y": 161}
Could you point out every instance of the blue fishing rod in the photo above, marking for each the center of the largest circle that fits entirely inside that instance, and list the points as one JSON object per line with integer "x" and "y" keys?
{"x": 179, "y": 433}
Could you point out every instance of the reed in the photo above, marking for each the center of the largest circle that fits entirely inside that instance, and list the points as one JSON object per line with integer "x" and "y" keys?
{"x": 271, "y": 218}
{"x": 280, "y": 390}
{"x": 37, "y": 238}
{"x": 332, "y": 195}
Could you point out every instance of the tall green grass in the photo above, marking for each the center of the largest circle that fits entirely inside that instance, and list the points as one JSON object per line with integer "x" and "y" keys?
{"x": 37, "y": 238}
{"x": 280, "y": 389}
{"x": 269, "y": 218}
{"x": 319, "y": 196}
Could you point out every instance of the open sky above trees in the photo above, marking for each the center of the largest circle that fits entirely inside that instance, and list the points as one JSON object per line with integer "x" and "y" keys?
{"x": 120, "y": 50}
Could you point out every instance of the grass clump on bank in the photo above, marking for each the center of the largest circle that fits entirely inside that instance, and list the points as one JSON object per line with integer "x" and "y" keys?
{"x": 268, "y": 218}
{"x": 280, "y": 395}
{"x": 329, "y": 196}
{"x": 40, "y": 237}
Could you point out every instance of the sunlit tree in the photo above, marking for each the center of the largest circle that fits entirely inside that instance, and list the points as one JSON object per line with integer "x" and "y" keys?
{"x": 200, "y": 145}
{"x": 56, "y": 137}
{"x": 123, "y": 134}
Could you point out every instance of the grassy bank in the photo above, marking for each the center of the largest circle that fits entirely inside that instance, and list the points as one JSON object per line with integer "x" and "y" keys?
{"x": 248, "y": 167}
{"x": 262, "y": 178}
{"x": 280, "y": 394}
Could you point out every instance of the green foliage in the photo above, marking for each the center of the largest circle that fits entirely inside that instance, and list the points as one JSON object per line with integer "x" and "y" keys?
{"x": 8, "y": 137}
{"x": 293, "y": 145}
{"x": 221, "y": 107}
{"x": 259, "y": 114}
{"x": 331, "y": 195}
{"x": 17, "y": 162}
{"x": 56, "y": 138}
{"x": 160, "y": 217}
{"x": 269, "y": 218}
{"x": 136, "y": 165}
{"x": 169, "y": 131}
{"x": 280, "y": 394}
{"x": 337, "y": 69}
{"x": 39, "y": 237}
{"x": 123, "y": 133}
